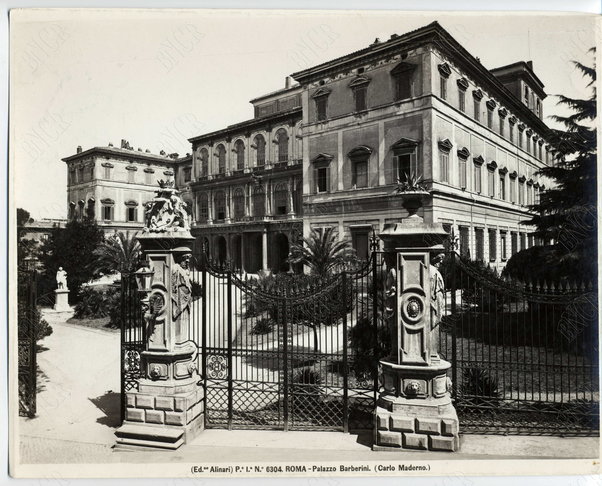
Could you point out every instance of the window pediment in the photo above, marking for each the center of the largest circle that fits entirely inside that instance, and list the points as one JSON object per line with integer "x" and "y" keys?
{"x": 445, "y": 145}
{"x": 107, "y": 201}
{"x": 404, "y": 145}
{"x": 536, "y": 185}
{"x": 168, "y": 172}
{"x": 359, "y": 81}
{"x": 107, "y": 164}
{"x": 131, "y": 167}
{"x": 444, "y": 70}
{"x": 477, "y": 94}
{"x": 529, "y": 132}
{"x": 322, "y": 159}
{"x": 503, "y": 112}
{"x": 403, "y": 68}
{"x": 521, "y": 126}
{"x": 361, "y": 152}
{"x": 149, "y": 170}
{"x": 492, "y": 165}
{"x": 478, "y": 160}
{"x": 542, "y": 187}
{"x": 131, "y": 203}
{"x": 522, "y": 179}
{"x": 463, "y": 153}
{"x": 491, "y": 104}
{"x": 463, "y": 83}
{"x": 513, "y": 175}
{"x": 512, "y": 120}
{"x": 503, "y": 170}
{"x": 321, "y": 92}
{"x": 530, "y": 182}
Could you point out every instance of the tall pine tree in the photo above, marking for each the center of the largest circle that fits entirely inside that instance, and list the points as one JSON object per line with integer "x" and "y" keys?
{"x": 566, "y": 213}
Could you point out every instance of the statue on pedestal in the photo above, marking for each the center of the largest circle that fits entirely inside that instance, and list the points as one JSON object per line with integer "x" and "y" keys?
{"x": 61, "y": 279}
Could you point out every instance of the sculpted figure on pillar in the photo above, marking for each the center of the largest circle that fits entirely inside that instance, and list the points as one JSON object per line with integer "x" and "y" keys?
{"x": 167, "y": 212}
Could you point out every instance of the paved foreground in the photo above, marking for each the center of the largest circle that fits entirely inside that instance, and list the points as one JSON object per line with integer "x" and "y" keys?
{"x": 78, "y": 411}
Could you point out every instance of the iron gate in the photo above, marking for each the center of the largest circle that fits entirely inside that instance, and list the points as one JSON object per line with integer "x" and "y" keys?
{"x": 28, "y": 318}
{"x": 524, "y": 356}
{"x": 287, "y": 352}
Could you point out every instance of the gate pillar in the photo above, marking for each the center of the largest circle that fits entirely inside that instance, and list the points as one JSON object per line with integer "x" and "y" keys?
{"x": 167, "y": 408}
{"x": 414, "y": 411}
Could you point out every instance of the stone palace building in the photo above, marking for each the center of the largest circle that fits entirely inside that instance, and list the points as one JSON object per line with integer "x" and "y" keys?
{"x": 329, "y": 150}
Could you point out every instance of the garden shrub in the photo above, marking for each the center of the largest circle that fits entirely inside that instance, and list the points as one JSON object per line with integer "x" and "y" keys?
{"x": 263, "y": 326}
{"x": 480, "y": 386}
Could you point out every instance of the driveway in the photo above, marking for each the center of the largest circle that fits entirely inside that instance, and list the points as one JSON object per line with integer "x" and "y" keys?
{"x": 78, "y": 397}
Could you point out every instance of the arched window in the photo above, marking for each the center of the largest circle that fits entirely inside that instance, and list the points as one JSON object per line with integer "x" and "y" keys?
{"x": 239, "y": 148}
{"x": 221, "y": 158}
{"x": 239, "y": 204}
{"x": 258, "y": 201}
{"x": 282, "y": 142}
{"x": 259, "y": 143}
{"x": 204, "y": 162}
{"x": 281, "y": 198}
{"x": 203, "y": 208}
{"x": 220, "y": 205}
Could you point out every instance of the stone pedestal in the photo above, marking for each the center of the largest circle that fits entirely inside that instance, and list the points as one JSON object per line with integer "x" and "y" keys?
{"x": 167, "y": 409}
{"x": 414, "y": 409}
{"x": 61, "y": 300}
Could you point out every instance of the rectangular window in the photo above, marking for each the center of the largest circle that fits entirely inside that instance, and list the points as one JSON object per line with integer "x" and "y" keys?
{"x": 359, "y": 241}
{"x": 490, "y": 119}
{"x": 513, "y": 243}
{"x": 462, "y": 167}
{"x": 462, "y": 100}
{"x": 131, "y": 176}
{"x": 477, "y": 178}
{"x": 479, "y": 244}
{"x": 406, "y": 165}
{"x": 501, "y": 126}
{"x": 528, "y": 144}
{"x": 477, "y": 110}
{"x": 521, "y": 193}
{"x": 444, "y": 166}
{"x": 107, "y": 173}
{"x": 464, "y": 241}
{"x": 107, "y": 213}
{"x": 492, "y": 245}
{"x": 512, "y": 190}
{"x": 523, "y": 241}
{"x": 443, "y": 90}
{"x": 360, "y": 173}
{"x": 359, "y": 94}
{"x": 491, "y": 183}
{"x": 511, "y": 132}
{"x": 503, "y": 187}
{"x": 321, "y": 104}
{"x": 322, "y": 179}
{"x": 520, "y": 139}
{"x": 148, "y": 178}
{"x": 187, "y": 174}
{"x": 503, "y": 248}
{"x": 132, "y": 215}
{"x": 82, "y": 174}
{"x": 403, "y": 86}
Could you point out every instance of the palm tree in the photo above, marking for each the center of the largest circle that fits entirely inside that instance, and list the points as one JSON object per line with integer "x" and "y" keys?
{"x": 119, "y": 253}
{"x": 322, "y": 252}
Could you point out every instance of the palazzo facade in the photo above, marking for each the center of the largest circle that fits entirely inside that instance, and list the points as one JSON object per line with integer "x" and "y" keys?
{"x": 330, "y": 150}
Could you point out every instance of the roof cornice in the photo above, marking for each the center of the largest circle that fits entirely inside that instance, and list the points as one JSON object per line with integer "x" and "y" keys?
{"x": 436, "y": 35}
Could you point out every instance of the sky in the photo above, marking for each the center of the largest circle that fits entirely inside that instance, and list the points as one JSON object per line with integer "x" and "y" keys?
{"x": 155, "y": 78}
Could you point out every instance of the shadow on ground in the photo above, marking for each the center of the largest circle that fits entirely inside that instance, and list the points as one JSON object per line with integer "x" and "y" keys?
{"x": 110, "y": 405}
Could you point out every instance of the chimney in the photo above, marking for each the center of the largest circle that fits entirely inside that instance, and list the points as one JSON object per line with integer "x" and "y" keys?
{"x": 79, "y": 149}
{"x": 287, "y": 82}
{"x": 124, "y": 143}
{"x": 530, "y": 64}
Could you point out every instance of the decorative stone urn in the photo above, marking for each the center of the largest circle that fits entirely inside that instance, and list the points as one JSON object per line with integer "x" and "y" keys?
{"x": 414, "y": 409}
{"x": 167, "y": 408}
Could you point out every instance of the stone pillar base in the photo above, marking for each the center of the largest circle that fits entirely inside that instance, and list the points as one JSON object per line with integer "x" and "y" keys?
{"x": 155, "y": 416}
{"x": 405, "y": 424}
{"x": 61, "y": 300}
